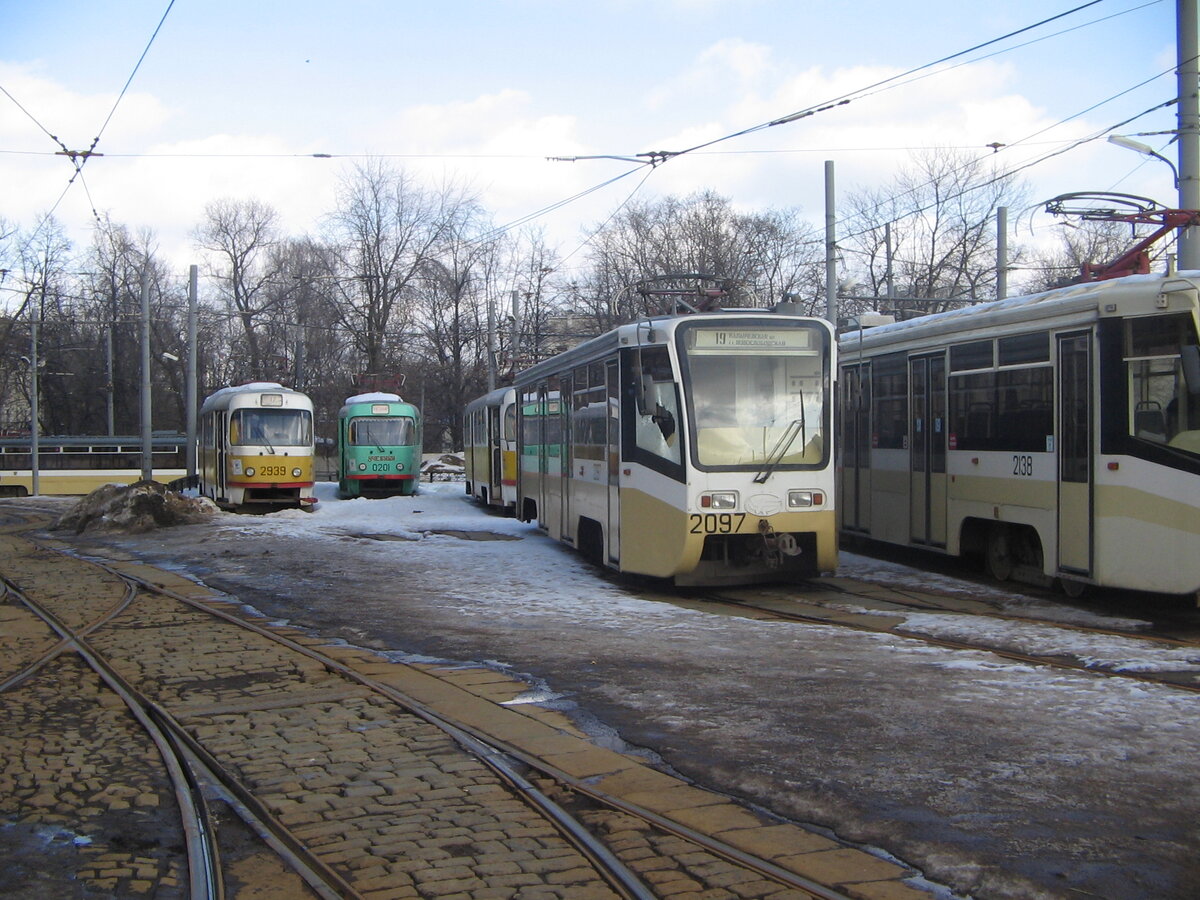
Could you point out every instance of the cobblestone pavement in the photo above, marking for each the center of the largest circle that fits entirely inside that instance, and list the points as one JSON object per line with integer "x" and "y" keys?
{"x": 389, "y": 801}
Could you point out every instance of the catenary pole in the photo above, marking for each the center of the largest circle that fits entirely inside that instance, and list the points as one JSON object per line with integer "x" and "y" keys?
{"x": 34, "y": 429}
{"x": 831, "y": 301}
{"x": 1188, "y": 110}
{"x": 1001, "y": 252}
{"x": 147, "y": 443}
{"x": 191, "y": 397}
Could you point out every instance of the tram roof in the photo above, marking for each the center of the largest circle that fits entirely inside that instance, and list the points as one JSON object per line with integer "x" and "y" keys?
{"x": 1028, "y": 308}
{"x": 608, "y": 343}
{"x": 225, "y": 395}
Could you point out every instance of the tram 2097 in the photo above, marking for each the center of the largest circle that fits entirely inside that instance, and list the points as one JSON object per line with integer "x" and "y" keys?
{"x": 692, "y": 448}
{"x": 1056, "y": 436}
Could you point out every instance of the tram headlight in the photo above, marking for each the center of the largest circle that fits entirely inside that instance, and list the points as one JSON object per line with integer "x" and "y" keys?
{"x": 249, "y": 471}
{"x": 296, "y": 472}
{"x": 362, "y": 467}
{"x": 719, "y": 500}
{"x": 805, "y": 499}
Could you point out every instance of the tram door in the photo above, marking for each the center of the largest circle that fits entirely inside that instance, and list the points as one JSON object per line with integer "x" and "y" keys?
{"x": 613, "y": 457}
{"x": 221, "y": 448}
{"x": 495, "y": 434}
{"x": 1074, "y": 454}
{"x": 927, "y": 450}
{"x": 855, "y": 504}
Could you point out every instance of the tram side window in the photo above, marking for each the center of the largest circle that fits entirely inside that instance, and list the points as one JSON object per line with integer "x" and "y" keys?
{"x": 1162, "y": 364}
{"x": 651, "y": 409}
{"x": 891, "y": 401}
{"x": 589, "y": 412}
{"x": 510, "y": 423}
{"x": 973, "y": 411}
{"x": 1024, "y": 409}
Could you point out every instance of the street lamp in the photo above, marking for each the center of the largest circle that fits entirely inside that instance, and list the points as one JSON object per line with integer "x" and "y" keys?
{"x": 1145, "y": 149}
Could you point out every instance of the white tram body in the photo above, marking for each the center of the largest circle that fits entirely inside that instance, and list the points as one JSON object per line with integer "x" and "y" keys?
{"x": 256, "y": 447}
{"x": 490, "y": 456}
{"x": 692, "y": 448}
{"x": 1056, "y": 435}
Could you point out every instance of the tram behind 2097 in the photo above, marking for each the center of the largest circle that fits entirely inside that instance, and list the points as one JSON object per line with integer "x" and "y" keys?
{"x": 692, "y": 448}
{"x": 1056, "y": 435}
{"x": 256, "y": 447}
{"x": 379, "y": 446}
{"x": 490, "y": 454}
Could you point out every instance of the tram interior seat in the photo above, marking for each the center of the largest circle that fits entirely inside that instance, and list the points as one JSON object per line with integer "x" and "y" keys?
{"x": 979, "y": 421}
{"x": 1149, "y": 421}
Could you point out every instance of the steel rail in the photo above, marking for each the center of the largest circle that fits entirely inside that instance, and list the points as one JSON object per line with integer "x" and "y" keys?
{"x": 916, "y": 603}
{"x": 202, "y": 768}
{"x": 951, "y": 644}
{"x": 491, "y": 754}
{"x": 494, "y": 750}
{"x": 607, "y": 865}
{"x": 204, "y": 867}
{"x": 10, "y": 587}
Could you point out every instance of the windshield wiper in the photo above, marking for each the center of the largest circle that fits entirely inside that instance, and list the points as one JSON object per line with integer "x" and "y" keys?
{"x": 782, "y": 446}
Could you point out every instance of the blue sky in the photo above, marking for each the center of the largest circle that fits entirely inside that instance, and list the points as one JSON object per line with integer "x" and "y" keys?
{"x": 233, "y": 98}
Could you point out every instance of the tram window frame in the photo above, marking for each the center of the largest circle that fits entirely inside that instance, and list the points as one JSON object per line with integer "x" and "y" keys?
{"x": 889, "y": 396}
{"x": 589, "y": 435}
{"x": 973, "y": 356}
{"x": 1010, "y": 410}
{"x": 637, "y": 441}
{"x": 1019, "y": 349}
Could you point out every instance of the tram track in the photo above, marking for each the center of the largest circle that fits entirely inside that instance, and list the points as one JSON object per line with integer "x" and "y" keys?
{"x": 882, "y": 610}
{"x": 201, "y": 734}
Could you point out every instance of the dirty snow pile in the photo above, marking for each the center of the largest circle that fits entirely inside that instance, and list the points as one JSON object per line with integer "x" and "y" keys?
{"x": 134, "y": 508}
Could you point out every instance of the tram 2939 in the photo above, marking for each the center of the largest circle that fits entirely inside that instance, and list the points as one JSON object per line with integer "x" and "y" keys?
{"x": 692, "y": 448}
{"x": 1054, "y": 436}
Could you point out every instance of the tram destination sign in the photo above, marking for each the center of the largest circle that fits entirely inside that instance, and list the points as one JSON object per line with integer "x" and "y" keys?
{"x": 753, "y": 340}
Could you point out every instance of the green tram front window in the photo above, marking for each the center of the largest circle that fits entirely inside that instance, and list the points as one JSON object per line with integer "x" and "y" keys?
{"x": 380, "y": 431}
{"x": 757, "y": 395}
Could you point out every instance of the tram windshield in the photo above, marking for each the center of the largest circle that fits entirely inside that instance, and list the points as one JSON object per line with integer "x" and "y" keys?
{"x": 271, "y": 427}
{"x": 382, "y": 431}
{"x": 1162, "y": 364}
{"x": 756, "y": 395}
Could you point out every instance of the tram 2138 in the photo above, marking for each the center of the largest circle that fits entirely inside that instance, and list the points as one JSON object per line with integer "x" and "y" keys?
{"x": 693, "y": 448}
{"x": 1055, "y": 436}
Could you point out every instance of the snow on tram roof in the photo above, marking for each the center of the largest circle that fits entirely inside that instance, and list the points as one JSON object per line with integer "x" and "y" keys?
{"x": 1058, "y": 300}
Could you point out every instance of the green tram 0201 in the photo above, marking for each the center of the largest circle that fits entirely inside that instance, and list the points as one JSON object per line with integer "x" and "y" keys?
{"x": 379, "y": 446}
{"x": 692, "y": 448}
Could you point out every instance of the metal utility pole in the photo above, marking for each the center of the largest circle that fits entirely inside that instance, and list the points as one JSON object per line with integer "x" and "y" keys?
{"x": 190, "y": 396}
{"x": 1188, "y": 110}
{"x": 147, "y": 442}
{"x": 831, "y": 302}
{"x": 34, "y": 429}
{"x": 108, "y": 375}
{"x": 1001, "y": 252}
{"x": 491, "y": 344}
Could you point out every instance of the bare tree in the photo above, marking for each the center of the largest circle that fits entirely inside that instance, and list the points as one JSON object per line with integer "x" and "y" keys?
{"x": 1081, "y": 242}
{"x": 385, "y": 229}
{"x": 239, "y": 236}
{"x": 753, "y": 259}
{"x": 941, "y": 214}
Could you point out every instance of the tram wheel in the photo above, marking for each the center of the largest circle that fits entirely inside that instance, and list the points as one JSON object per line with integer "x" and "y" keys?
{"x": 1072, "y": 588}
{"x": 999, "y": 558}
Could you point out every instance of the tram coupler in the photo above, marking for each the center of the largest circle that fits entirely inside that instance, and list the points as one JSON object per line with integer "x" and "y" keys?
{"x": 777, "y": 545}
